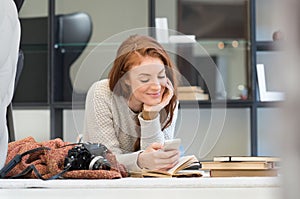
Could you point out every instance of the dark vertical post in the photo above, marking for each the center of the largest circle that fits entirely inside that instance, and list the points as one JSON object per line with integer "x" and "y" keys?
{"x": 253, "y": 111}
{"x": 55, "y": 114}
{"x": 56, "y": 122}
{"x": 151, "y": 17}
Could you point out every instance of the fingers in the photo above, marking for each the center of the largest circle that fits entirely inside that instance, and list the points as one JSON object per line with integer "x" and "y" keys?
{"x": 156, "y": 146}
{"x": 167, "y": 157}
{"x": 170, "y": 88}
{"x": 171, "y": 155}
{"x": 168, "y": 166}
{"x": 169, "y": 85}
{"x": 158, "y": 159}
{"x": 167, "y": 160}
{"x": 168, "y": 95}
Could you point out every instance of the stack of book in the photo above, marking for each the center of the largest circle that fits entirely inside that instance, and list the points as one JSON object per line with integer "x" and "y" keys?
{"x": 242, "y": 166}
{"x": 191, "y": 93}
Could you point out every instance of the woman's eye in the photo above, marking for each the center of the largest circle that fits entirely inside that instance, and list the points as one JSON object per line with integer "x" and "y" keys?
{"x": 144, "y": 80}
{"x": 161, "y": 76}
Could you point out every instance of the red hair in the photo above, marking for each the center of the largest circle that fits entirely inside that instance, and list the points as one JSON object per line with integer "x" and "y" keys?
{"x": 131, "y": 53}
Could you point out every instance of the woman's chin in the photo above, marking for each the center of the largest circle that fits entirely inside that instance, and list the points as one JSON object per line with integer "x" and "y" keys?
{"x": 152, "y": 102}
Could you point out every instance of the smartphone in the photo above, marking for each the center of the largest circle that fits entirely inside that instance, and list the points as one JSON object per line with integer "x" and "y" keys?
{"x": 172, "y": 144}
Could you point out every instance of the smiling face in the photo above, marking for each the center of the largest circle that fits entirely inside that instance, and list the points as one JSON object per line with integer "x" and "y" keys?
{"x": 147, "y": 81}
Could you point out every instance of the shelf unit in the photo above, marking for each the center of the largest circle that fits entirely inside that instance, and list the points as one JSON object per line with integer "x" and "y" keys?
{"x": 56, "y": 108}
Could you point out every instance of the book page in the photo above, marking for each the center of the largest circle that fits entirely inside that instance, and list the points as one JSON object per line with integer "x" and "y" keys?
{"x": 183, "y": 163}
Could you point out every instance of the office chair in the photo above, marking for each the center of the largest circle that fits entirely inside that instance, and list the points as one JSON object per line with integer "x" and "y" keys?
{"x": 72, "y": 35}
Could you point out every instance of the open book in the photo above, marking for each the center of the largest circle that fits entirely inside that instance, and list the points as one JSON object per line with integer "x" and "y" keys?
{"x": 185, "y": 162}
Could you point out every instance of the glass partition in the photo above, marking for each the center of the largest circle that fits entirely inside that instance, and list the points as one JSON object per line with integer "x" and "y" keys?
{"x": 32, "y": 87}
{"x": 221, "y": 27}
{"x": 108, "y": 18}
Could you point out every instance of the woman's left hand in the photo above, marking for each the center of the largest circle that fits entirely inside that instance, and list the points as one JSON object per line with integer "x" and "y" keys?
{"x": 155, "y": 158}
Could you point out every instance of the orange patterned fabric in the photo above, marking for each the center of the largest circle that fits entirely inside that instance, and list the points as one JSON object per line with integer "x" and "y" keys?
{"x": 51, "y": 162}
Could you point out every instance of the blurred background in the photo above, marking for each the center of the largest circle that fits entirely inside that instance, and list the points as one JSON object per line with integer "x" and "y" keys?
{"x": 235, "y": 35}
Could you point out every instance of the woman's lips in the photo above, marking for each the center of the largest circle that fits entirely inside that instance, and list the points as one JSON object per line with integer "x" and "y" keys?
{"x": 155, "y": 95}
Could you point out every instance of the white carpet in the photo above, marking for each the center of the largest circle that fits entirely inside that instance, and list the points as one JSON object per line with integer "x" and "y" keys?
{"x": 237, "y": 182}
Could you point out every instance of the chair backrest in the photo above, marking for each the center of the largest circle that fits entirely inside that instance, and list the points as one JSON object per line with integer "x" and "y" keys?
{"x": 73, "y": 33}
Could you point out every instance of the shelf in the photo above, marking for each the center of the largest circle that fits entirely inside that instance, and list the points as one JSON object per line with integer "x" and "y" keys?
{"x": 217, "y": 104}
{"x": 268, "y": 46}
{"x": 183, "y": 103}
{"x": 30, "y": 105}
{"x": 69, "y": 105}
{"x": 270, "y": 104}
{"x": 215, "y": 43}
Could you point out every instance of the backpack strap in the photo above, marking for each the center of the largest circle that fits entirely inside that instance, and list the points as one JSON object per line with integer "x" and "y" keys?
{"x": 31, "y": 168}
{"x": 16, "y": 160}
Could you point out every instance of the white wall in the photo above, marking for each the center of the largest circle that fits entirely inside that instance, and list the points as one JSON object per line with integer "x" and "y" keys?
{"x": 270, "y": 131}
{"x": 35, "y": 123}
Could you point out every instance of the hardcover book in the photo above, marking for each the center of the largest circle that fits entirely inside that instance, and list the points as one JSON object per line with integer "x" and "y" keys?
{"x": 193, "y": 96}
{"x": 191, "y": 93}
{"x": 243, "y": 173}
{"x": 246, "y": 158}
{"x": 189, "y": 89}
{"x": 236, "y": 165}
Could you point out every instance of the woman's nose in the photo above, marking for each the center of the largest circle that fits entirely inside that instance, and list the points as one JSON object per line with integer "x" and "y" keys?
{"x": 155, "y": 84}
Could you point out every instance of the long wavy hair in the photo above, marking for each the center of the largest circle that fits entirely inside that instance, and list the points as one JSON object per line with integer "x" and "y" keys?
{"x": 131, "y": 53}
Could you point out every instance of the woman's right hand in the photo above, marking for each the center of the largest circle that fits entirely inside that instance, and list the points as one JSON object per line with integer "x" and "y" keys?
{"x": 155, "y": 158}
{"x": 166, "y": 98}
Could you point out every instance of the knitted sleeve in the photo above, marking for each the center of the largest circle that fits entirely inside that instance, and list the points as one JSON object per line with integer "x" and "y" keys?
{"x": 151, "y": 130}
{"x": 99, "y": 126}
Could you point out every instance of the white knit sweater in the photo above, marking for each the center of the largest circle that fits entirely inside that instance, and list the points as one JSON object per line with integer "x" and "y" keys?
{"x": 109, "y": 120}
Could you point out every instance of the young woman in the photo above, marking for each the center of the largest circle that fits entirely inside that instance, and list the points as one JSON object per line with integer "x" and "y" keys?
{"x": 135, "y": 110}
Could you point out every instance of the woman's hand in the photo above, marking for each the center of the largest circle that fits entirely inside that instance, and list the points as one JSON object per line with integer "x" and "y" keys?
{"x": 151, "y": 111}
{"x": 154, "y": 158}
